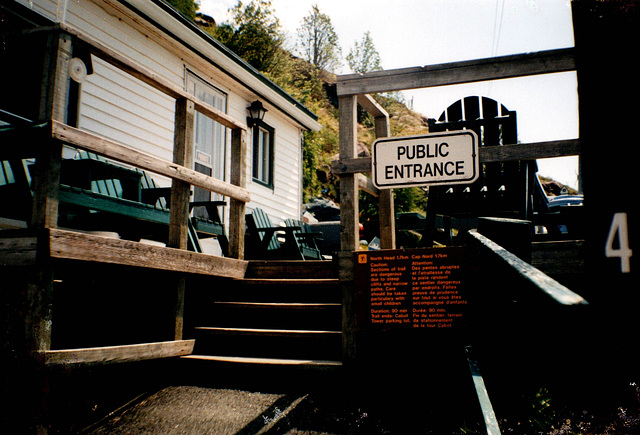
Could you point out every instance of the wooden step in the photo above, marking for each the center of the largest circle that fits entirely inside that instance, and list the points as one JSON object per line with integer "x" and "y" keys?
{"x": 289, "y": 281}
{"x": 273, "y": 290}
{"x": 287, "y": 305}
{"x": 268, "y": 343}
{"x": 272, "y": 315}
{"x": 293, "y": 333}
{"x": 264, "y": 361}
{"x": 291, "y": 269}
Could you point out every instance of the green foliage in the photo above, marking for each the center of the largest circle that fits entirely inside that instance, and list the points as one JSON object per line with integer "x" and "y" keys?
{"x": 363, "y": 56}
{"x": 255, "y": 35}
{"x": 188, "y": 8}
{"x": 318, "y": 41}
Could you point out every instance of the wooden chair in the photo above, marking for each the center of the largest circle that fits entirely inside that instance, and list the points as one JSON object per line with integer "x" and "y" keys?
{"x": 263, "y": 239}
{"x": 210, "y": 226}
{"x": 502, "y": 189}
{"x": 306, "y": 239}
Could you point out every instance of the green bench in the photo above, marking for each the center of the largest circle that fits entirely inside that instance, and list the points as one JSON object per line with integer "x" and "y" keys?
{"x": 263, "y": 240}
{"x": 97, "y": 195}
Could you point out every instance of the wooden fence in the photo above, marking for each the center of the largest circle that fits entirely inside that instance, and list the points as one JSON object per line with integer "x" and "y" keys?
{"x": 44, "y": 241}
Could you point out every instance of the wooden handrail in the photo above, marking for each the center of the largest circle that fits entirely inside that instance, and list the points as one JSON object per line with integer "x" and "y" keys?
{"x": 123, "y": 154}
{"x": 540, "y": 280}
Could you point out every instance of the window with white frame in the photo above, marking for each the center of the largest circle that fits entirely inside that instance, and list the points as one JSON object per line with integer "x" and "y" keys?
{"x": 210, "y": 138}
{"x": 263, "y": 152}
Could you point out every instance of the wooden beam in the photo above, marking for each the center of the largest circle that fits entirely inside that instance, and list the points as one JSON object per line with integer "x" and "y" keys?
{"x": 86, "y": 247}
{"x": 386, "y": 206}
{"x": 183, "y": 136}
{"x": 371, "y": 106}
{"x": 504, "y": 153}
{"x": 365, "y": 183}
{"x": 121, "y": 153}
{"x": 237, "y": 207}
{"x": 118, "y": 354}
{"x": 17, "y": 250}
{"x": 349, "y": 234}
{"x": 543, "y": 282}
{"x": 530, "y": 151}
{"x": 504, "y": 67}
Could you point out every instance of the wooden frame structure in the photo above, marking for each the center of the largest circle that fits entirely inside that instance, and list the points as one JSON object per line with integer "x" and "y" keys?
{"x": 354, "y": 89}
{"x": 38, "y": 246}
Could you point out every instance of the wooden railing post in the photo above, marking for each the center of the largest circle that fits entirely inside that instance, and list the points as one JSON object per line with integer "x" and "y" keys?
{"x": 386, "y": 206}
{"x": 53, "y": 105}
{"x": 180, "y": 190}
{"x": 238, "y": 178}
{"x": 183, "y": 137}
{"x": 349, "y": 232}
{"x": 46, "y": 179}
{"x": 349, "y": 207}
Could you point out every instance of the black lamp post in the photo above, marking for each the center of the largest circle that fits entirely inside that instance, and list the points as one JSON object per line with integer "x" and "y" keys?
{"x": 256, "y": 113}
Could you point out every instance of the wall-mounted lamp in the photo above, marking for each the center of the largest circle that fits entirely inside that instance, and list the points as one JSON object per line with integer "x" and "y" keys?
{"x": 256, "y": 113}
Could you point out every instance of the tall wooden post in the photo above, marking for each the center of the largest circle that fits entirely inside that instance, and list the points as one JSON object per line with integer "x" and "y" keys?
{"x": 54, "y": 93}
{"x": 183, "y": 137}
{"x": 238, "y": 178}
{"x": 183, "y": 156}
{"x": 349, "y": 208}
{"x": 46, "y": 179}
{"x": 349, "y": 231}
{"x": 386, "y": 207}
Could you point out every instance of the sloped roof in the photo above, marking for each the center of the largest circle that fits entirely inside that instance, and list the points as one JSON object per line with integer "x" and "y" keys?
{"x": 179, "y": 27}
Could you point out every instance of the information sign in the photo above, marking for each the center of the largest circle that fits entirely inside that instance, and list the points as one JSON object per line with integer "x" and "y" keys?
{"x": 431, "y": 159}
{"x": 412, "y": 289}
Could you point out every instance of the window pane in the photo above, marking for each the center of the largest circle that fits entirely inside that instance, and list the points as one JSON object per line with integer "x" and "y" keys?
{"x": 210, "y": 138}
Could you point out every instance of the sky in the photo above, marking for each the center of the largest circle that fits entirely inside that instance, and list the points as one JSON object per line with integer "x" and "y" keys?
{"x": 409, "y": 33}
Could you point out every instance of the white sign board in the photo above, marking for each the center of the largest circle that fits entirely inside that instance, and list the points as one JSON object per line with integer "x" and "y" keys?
{"x": 430, "y": 159}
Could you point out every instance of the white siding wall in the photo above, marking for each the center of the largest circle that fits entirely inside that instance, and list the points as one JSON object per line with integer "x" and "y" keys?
{"x": 121, "y": 108}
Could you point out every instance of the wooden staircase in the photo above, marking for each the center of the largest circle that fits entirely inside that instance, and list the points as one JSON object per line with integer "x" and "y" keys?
{"x": 283, "y": 313}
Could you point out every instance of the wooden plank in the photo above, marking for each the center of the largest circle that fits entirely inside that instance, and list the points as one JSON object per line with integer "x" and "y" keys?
{"x": 18, "y": 251}
{"x": 184, "y": 131}
{"x": 386, "y": 205}
{"x": 265, "y": 361}
{"x": 349, "y": 233}
{"x": 504, "y": 153}
{"x": 549, "y": 286}
{"x": 371, "y": 106}
{"x": 504, "y": 67}
{"x": 490, "y": 420}
{"x": 530, "y": 151}
{"x": 291, "y": 333}
{"x": 291, "y": 269}
{"x": 85, "y": 247}
{"x": 124, "y": 154}
{"x": 365, "y": 183}
{"x": 118, "y": 354}
{"x": 289, "y": 281}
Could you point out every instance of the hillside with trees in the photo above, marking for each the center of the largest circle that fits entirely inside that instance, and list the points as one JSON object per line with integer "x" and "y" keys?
{"x": 306, "y": 70}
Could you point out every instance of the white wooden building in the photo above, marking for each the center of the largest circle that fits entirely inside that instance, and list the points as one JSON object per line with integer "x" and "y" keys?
{"x": 119, "y": 107}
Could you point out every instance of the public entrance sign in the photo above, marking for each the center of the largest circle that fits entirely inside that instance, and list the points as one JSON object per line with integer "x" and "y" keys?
{"x": 430, "y": 159}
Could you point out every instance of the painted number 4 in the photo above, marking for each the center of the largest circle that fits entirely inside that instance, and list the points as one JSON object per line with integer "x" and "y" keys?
{"x": 619, "y": 230}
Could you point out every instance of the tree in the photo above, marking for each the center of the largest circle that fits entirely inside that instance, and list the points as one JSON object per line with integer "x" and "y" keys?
{"x": 255, "y": 34}
{"x": 318, "y": 41}
{"x": 188, "y": 8}
{"x": 363, "y": 56}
